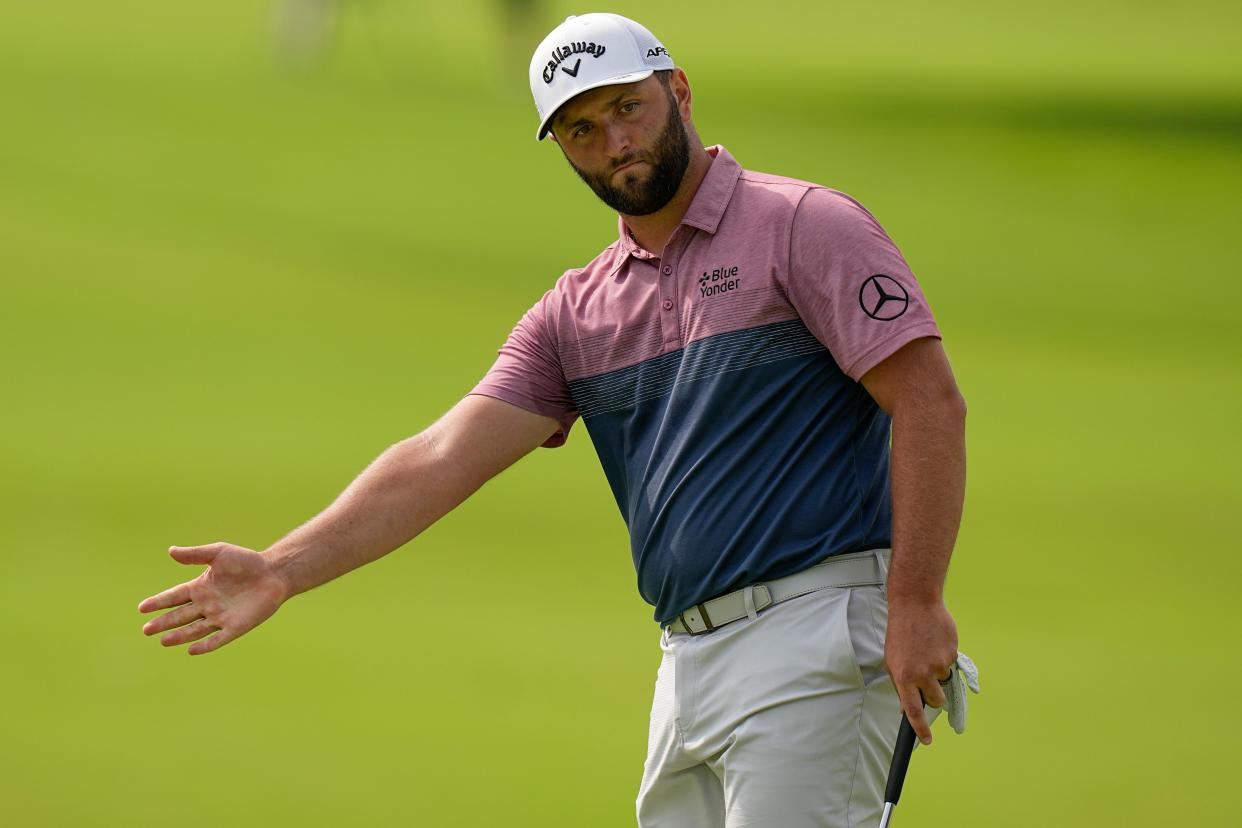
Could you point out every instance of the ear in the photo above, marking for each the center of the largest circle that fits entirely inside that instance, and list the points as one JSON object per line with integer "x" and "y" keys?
{"x": 680, "y": 86}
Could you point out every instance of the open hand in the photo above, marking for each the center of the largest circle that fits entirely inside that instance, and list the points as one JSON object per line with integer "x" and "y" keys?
{"x": 238, "y": 592}
{"x": 920, "y": 649}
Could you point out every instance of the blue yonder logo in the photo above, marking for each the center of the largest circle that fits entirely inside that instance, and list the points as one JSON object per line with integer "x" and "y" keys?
{"x": 720, "y": 280}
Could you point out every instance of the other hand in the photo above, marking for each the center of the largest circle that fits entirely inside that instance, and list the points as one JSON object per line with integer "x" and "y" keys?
{"x": 238, "y": 592}
{"x": 920, "y": 647}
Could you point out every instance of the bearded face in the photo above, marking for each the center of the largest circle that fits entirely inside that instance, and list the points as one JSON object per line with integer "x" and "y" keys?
{"x": 646, "y": 187}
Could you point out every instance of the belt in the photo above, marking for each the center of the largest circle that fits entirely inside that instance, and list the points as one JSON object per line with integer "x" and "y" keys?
{"x": 852, "y": 569}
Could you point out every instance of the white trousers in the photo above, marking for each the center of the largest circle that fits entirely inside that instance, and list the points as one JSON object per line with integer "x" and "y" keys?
{"x": 786, "y": 720}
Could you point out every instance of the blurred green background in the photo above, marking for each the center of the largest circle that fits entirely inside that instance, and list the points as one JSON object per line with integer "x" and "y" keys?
{"x": 236, "y": 264}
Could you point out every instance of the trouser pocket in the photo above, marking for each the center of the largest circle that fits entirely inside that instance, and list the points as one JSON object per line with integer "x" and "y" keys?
{"x": 867, "y": 619}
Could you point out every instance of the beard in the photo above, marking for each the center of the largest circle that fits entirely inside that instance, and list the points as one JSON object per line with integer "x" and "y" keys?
{"x": 668, "y": 160}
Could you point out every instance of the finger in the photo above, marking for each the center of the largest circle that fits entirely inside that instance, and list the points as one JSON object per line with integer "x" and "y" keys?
{"x": 912, "y": 706}
{"x": 193, "y": 632}
{"x": 181, "y": 615}
{"x": 933, "y": 694}
{"x": 172, "y": 597}
{"x": 214, "y": 643}
{"x": 195, "y": 554}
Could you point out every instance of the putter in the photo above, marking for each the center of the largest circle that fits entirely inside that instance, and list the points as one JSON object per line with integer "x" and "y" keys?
{"x": 906, "y": 740}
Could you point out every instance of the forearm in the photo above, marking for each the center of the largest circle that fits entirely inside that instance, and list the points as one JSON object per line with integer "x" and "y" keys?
{"x": 405, "y": 490}
{"x": 402, "y": 492}
{"x": 928, "y": 488}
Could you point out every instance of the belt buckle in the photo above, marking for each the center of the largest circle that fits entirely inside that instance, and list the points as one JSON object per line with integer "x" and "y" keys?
{"x": 707, "y": 621}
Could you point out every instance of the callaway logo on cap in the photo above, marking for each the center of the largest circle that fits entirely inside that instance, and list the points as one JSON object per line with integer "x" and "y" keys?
{"x": 588, "y": 52}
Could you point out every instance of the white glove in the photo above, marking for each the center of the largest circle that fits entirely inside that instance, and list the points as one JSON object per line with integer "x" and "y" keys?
{"x": 962, "y": 674}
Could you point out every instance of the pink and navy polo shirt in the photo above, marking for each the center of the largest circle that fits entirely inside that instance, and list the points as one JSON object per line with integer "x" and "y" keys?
{"x": 719, "y": 381}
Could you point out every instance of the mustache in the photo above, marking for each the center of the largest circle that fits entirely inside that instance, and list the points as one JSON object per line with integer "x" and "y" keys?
{"x": 629, "y": 159}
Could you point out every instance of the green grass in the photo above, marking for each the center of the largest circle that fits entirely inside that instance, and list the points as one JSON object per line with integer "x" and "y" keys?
{"x": 225, "y": 289}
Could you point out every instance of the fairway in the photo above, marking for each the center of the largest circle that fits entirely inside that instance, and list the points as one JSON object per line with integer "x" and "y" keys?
{"x": 228, "y": 285}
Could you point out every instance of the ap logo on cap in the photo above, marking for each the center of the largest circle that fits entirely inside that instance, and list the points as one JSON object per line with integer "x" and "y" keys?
{"x": 588, "y": 52}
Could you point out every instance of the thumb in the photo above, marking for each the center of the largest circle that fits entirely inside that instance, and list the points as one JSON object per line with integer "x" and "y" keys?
{"x": 196, "y": 554}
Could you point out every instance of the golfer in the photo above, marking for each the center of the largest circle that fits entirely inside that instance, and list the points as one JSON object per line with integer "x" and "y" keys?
{"x": 764, "y": 384}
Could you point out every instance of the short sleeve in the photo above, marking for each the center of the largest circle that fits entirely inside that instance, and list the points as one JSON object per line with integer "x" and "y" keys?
{"x": 527, "y": 373}
{"x": 850, "y": 284}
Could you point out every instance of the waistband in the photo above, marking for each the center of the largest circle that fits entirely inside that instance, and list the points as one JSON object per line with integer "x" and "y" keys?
{"x": 869, "y": 568}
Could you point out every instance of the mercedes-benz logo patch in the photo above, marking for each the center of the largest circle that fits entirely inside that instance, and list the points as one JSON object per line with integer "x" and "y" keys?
{"x": 883, "y": 298}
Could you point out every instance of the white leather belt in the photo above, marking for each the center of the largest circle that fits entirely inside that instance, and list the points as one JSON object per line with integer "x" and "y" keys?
{"x": 852, "y": 569}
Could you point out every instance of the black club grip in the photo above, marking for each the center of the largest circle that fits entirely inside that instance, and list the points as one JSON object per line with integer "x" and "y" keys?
{"x": 906, "y": 740}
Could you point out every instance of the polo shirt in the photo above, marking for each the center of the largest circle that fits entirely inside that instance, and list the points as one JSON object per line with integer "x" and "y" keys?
{"x": 718, "y": 380}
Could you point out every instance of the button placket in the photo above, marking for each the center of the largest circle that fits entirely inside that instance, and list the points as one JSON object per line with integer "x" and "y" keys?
{"x": 670, "y": 325}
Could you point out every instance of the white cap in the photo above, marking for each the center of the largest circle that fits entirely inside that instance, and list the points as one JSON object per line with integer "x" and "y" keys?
{"x": 588, "y": 52}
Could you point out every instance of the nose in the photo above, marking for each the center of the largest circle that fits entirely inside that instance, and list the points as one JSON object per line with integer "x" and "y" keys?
{"x": 617, "y": 140}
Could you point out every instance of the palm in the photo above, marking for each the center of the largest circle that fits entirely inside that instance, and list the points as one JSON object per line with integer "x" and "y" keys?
{"x": 239, "y": 591}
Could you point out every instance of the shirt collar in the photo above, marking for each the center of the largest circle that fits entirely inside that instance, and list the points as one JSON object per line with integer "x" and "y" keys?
{"x": 709, "y": 203}
{"x": 706, "y": 208}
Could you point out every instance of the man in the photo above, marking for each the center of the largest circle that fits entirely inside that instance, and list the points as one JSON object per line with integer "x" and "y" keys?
{"x": 736, "y": 357}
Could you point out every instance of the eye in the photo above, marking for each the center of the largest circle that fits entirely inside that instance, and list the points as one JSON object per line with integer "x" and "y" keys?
{"x": 629, "y": 106}
{"x": 580, "y": 131}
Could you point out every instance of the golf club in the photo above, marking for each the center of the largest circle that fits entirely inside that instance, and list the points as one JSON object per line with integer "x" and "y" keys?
{"x": 906, "y": 740}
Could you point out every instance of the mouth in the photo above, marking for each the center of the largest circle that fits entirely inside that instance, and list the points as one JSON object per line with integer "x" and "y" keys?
{"x": 628, "y": 166}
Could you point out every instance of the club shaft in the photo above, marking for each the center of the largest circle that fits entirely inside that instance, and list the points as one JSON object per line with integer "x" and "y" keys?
{"x": 906, "y": 740}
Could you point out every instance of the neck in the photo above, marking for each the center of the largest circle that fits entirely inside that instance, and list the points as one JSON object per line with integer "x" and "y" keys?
{"x": 653, "y": 230}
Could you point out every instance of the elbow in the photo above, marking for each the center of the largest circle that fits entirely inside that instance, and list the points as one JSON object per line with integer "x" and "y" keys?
{"x": 945, "y": 398}
{"x": 412, "y": 456}
{"x": 957, "y": 405}
{"x": 942, "y": 404}
{"x": 953, "y": 410}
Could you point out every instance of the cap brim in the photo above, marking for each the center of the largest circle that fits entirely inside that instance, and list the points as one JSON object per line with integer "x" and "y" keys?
{"x": 628, "y": 77}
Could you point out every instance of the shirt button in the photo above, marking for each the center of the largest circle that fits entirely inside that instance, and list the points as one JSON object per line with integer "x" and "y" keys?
{"x": 668, "y": 304}
{"x": 667, "y": 270}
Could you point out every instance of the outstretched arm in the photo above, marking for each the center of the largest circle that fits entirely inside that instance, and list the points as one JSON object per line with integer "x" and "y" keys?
{"x": 406, "y": 489}
{"x": 916, "y": 387}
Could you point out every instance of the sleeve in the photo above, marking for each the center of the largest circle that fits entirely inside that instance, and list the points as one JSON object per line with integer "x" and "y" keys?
{"x": 527, "y": 373}
{"x": 850, "y": 284}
